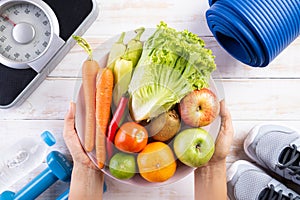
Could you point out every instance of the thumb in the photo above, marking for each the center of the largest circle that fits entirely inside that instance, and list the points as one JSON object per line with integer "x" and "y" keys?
{"x": 225, "y": 115}
{"x": 69, "y": 134}
{"x": 70, "y": 115}
{"x": 226, "y": 127}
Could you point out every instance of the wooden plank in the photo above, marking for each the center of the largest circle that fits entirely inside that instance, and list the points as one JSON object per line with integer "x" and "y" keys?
{"x": 125, "y": 15}
{"x": 286, "y": 65}
{"x": 262, "y": 99}
{"x": 248, "y": 99}
{"x": 181, "y": 190}
{"x": 14, "y": 130}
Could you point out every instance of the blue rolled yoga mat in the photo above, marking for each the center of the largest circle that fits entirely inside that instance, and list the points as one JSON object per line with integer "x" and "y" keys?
{"x": 254, "y": 31}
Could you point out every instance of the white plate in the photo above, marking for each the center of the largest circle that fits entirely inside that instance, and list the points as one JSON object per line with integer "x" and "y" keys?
{"x": 181, "y": 171}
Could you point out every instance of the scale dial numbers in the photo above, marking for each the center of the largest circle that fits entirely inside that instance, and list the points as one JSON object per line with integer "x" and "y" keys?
{"x": 25, "y": 32}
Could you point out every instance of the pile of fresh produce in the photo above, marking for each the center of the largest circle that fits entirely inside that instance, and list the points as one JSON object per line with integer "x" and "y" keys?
{"x": 160, "y": 98}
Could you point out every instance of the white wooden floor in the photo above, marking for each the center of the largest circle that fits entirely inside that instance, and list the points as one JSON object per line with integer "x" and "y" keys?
{"x": 253, "y": 95}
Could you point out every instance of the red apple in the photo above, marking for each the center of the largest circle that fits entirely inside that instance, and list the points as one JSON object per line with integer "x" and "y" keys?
{"x": 199, "y": 108}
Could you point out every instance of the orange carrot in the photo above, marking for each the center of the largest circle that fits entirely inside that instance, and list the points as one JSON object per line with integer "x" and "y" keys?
{"x": 90, "y": 70}
{"x": 104, "y": 89}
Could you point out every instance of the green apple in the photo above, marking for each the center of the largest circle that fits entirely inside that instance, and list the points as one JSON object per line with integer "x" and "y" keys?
{"x": 194, "y": 147}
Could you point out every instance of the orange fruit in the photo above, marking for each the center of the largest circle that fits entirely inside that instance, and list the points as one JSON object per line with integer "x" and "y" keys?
{"x": 156, "y": 162}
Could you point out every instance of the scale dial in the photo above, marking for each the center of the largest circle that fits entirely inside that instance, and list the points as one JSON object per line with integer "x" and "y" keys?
{"x": 27, "y": 29}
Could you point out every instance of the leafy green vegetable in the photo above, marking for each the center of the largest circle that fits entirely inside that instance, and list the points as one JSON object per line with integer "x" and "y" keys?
{"x": 173, "y": 63}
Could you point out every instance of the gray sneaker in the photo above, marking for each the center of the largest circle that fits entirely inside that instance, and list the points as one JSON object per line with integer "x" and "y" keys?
{"x": 245, "y": 181}
{"x": 276, "y": 148}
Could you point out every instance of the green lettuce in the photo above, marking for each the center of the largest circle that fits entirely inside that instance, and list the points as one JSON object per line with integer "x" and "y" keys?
{"x": 173, "y": 63}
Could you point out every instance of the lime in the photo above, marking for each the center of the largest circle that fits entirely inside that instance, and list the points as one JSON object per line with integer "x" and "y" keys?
{"x": 122, "y": 165}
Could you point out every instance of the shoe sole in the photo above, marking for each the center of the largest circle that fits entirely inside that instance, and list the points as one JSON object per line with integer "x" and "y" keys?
{"x": 250, "y": 138}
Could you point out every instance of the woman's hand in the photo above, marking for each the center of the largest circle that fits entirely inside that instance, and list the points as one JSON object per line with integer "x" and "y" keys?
{"x": 225, "y": 136}
{"x": 72, "y": 141}
{"x": 87, "y": 180}
{"x": 210, "y": 179}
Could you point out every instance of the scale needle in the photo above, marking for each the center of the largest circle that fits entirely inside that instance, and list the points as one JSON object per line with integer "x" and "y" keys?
{"x": 6, "y": 18}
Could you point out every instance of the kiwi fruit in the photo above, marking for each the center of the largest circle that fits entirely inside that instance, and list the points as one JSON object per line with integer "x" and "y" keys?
{"x": 165, "y": 126}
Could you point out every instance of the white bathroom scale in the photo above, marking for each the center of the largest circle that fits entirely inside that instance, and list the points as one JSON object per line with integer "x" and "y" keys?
{"x": 35, "y": 35}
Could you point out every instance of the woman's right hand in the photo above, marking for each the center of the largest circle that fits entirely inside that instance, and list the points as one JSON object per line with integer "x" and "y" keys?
{"x": 71, "y": 139}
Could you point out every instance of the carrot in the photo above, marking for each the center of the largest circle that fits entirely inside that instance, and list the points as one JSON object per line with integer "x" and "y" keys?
{"x": 90, "y": 70}
{"x": 104, "y": 89}
{"x": 89, "y": 74}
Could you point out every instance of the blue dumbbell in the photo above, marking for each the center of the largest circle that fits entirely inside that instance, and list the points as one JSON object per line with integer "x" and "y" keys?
{"x": 59, "y": 168}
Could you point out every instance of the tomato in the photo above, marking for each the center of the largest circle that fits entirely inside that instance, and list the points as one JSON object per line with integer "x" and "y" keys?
{"x": 131, "y": 137}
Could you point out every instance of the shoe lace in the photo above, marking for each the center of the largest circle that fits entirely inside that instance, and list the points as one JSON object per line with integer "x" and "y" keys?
{"x": 290, "y": 158}
{"x": 270, "y": 194}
